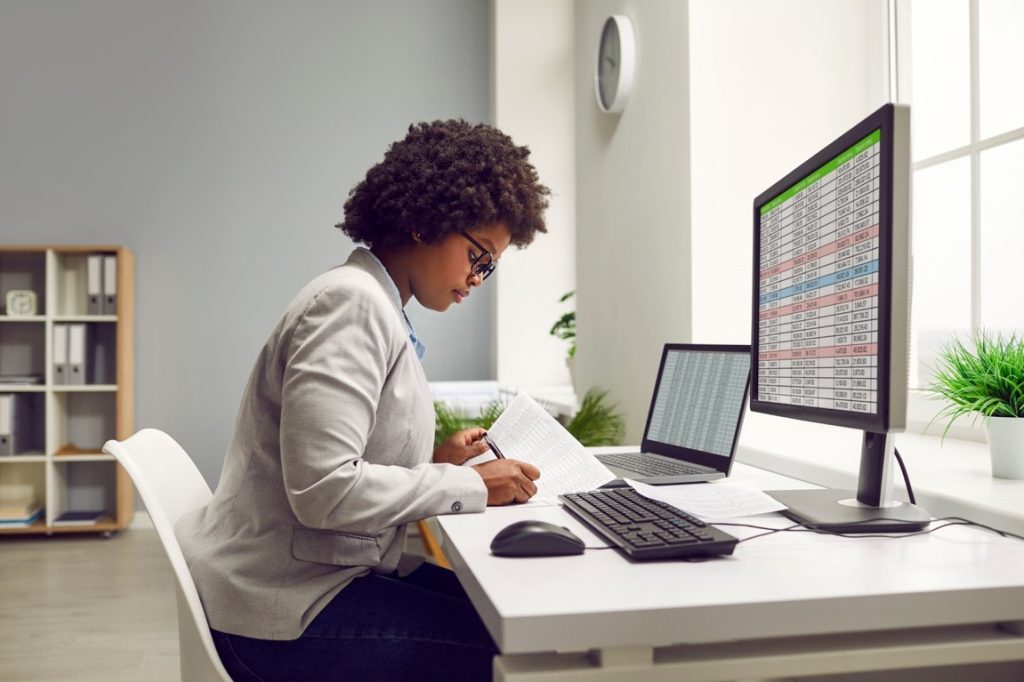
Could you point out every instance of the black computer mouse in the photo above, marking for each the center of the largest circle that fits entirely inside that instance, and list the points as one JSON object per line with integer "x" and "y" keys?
{"x": 535, "y": 538}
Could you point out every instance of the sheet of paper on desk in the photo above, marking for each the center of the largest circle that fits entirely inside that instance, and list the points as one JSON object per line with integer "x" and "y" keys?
{"x": 525, "y": 431}
{"x": 711, "y": 501}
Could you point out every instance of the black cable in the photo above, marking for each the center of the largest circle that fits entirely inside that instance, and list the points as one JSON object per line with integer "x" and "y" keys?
{"x": 906, "y": 477}
{"x": 804, "y": 528}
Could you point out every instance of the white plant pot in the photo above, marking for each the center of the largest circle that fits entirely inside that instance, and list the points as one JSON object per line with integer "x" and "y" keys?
{"x": 1006, "y": 446}
{"x": 570, "y": 362}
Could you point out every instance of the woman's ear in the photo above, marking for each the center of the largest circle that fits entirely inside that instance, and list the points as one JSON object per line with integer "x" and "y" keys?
{"x": 417, "y": 237}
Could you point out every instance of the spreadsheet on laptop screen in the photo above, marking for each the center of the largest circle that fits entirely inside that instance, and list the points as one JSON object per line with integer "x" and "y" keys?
{"x": 817, "y": 341}
{"x": 699, "y": 400}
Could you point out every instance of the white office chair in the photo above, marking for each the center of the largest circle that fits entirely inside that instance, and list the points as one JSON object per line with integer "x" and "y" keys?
{"x": 170, "y": 485}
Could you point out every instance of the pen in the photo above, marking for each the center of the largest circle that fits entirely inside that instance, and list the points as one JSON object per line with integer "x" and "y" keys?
{"x": 493, "y": 447}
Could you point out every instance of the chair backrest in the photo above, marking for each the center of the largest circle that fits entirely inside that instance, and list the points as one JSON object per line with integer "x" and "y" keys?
{"x": 170, "y": 485}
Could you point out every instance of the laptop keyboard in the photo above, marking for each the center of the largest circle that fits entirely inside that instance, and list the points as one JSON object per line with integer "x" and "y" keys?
{"x": 646, "y": 529}
{"x": 648, "y": 466}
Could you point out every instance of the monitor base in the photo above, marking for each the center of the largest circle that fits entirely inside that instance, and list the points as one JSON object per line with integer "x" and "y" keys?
{"x": 831, "y": 510}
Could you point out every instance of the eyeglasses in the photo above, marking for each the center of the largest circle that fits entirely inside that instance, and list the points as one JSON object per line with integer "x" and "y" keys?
{"x": 483, "y": 265}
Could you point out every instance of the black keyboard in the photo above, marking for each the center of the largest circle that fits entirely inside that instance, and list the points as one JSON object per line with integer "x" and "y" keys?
{"x": 645, "y": 529}
{"x": 648, "y": 466}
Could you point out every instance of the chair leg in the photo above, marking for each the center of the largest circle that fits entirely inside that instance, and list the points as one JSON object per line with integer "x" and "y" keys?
{"x": 431, "y": 544}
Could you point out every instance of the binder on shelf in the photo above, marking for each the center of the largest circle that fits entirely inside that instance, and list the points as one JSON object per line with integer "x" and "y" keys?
{"x": 16, "y": 424}
{"x": 79, "y": 518}
{"x": 60, "y": 354}
{"x": 77, "y": 364}
{"x": 110, "y": 284}
{"x": 94, "y": 284}
{"x": 6, "y": 414}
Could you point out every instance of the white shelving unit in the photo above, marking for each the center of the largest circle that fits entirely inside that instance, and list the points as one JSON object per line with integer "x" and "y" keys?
{"x": 63, "y": 466}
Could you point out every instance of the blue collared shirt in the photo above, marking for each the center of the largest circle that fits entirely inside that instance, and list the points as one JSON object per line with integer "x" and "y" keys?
{"x": 417, "y": 345}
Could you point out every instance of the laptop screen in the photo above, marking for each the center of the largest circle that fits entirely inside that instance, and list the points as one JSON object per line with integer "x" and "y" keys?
{"x": 698, "y": 401}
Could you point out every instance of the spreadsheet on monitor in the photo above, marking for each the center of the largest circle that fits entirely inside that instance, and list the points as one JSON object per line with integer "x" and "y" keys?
{"x": 818, "y": 298}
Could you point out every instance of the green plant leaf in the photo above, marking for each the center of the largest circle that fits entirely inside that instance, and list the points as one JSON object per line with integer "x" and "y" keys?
{"x": 449, "y": 420}
{"x": 985, "y": 379}
{"x": 597, "y": 422}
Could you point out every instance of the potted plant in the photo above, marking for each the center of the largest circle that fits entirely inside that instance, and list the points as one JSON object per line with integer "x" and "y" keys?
{"x": 988, "y": 382}
{"x": 565, "y": 329}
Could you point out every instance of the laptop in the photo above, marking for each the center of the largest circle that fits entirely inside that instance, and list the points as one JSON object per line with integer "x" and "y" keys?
{"x": 694, "y": 420}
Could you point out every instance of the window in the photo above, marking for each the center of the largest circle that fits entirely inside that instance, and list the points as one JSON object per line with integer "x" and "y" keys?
{"x": 958, "y": 64}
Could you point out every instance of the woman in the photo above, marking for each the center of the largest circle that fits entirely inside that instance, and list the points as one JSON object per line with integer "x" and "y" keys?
{"x": 298, "y": 558}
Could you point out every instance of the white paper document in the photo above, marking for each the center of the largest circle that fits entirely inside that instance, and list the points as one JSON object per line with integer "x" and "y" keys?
{"x": 711, "y": 501}
{"x": 525, "y": 432}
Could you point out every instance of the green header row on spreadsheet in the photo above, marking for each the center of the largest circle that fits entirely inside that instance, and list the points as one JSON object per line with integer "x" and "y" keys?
{"x": 853, "y": 151}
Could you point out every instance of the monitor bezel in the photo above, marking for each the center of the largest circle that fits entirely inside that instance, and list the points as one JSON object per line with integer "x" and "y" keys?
{"x": 715, "y": 461}
{"x": 879, "y": 422}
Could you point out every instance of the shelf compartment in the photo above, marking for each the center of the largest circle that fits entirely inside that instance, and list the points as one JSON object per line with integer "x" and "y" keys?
{"x": 22, "y": 482}
{"x": 23, "y": 350}
{"x": 27, "y": 418}
{"x": 81, "y": 421}
{"x": 83, "y": 486}
{"x": 23, "y": 270}
{"x": 71, "y": 282}
{"x": 98, "y": 357}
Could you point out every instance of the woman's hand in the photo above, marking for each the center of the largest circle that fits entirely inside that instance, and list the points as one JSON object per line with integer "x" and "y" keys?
{"x": 460, "y": 446}
{"x": 508, "y": 481}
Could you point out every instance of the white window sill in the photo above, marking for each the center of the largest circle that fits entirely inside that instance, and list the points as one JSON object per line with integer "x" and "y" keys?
{"x": 950, "y": 478}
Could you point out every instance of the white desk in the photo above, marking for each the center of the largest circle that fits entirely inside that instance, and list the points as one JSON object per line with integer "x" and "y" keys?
{"x": 789, "y": 604}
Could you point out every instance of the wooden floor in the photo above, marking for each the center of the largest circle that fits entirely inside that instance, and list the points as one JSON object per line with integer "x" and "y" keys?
{"x": 84, "y": 608}
{"x": 87, "y": 608}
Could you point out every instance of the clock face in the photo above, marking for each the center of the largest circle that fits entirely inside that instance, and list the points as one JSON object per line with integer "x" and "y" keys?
{"x": 21, "y": 303}
{"x": 609, "y": 65}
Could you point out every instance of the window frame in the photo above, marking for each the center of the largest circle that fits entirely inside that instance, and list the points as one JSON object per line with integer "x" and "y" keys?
{"x": 921, "y": 409}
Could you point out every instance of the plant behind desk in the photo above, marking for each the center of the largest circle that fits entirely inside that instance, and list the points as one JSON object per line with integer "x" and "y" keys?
{"x": 597, "y": 422}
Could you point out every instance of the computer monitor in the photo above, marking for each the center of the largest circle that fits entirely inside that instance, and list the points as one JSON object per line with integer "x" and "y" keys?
{"x": 831, "y": 311}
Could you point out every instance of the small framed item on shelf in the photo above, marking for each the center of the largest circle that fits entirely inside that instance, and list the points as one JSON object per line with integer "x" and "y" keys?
{"x": 21, "y": 303}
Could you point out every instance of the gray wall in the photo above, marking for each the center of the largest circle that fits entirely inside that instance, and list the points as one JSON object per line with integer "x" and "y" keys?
{"x": 218, "y": 141}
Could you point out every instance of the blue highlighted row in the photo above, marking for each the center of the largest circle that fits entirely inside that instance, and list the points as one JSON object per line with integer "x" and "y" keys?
{"x": 823, "y": 281}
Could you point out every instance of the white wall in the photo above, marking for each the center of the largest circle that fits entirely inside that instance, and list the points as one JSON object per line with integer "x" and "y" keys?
{"x": 633, "y": 207}
{"x": 771, "y": 83}
{"x": 532, "y": 100}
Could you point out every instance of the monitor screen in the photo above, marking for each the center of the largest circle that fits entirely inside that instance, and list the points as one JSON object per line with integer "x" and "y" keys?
{"x": 818, "y": 298}
{"x": 699, "y": 399}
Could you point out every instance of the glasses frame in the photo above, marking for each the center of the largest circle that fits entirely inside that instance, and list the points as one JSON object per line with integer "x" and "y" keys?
{"x": 481, "y": 270}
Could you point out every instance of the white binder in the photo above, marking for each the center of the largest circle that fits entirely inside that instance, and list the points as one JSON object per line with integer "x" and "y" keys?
{"x": 60, "y": 354}
{"x": 94, "y": 288}
{"x": 6, "y": 424}
{"x": 110, "y": 284}
{"x": 77, "y": 356}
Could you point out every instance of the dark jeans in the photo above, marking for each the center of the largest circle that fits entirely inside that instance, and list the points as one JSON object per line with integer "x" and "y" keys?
{"x": 420, "y": 627}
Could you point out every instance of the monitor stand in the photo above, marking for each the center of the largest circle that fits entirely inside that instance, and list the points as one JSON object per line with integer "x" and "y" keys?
{"x": 870, "y": 509}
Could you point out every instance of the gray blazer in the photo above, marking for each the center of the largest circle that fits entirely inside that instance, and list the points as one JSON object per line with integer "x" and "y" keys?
{"x": 330, "y": 460}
